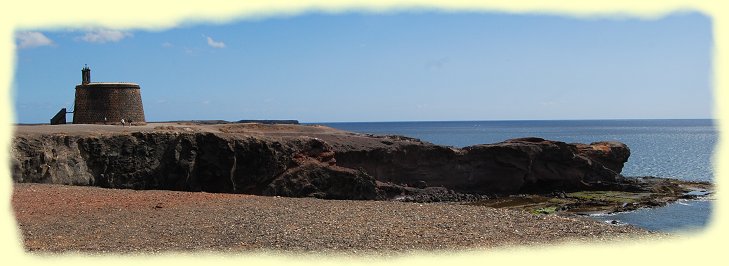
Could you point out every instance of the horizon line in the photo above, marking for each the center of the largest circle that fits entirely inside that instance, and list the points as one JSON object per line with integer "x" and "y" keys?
{"x": 503, "y": 120}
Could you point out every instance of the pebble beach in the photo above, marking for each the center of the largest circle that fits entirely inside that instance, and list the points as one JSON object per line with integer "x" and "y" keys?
{"x": 59, "y": 218}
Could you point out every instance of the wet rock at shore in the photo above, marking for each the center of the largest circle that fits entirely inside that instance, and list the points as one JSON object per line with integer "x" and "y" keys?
{"x": 630, "y": 193}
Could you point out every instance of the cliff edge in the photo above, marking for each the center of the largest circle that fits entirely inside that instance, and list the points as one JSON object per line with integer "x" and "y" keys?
{"x": 303, "y": 161}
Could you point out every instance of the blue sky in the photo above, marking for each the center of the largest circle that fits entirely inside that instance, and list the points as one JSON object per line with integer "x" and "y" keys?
{"x": 404, "y": 66}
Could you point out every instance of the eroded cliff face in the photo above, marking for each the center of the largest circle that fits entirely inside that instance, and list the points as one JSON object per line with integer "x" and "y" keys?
{"x": 324, "y": 164}
{"x": 512, "y": 166}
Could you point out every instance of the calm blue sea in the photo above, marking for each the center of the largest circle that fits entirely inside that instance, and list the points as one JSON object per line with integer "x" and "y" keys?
{"x": 680, "y": 148}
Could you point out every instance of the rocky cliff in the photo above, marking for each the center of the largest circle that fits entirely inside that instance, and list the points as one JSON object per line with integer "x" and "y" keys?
{"x": 295, "y": 160}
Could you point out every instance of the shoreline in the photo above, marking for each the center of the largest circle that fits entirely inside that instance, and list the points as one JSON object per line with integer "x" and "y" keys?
{"x": 631, "y": 194}
{"x": 59, "y": 218}
{"x": 318, "y": 189}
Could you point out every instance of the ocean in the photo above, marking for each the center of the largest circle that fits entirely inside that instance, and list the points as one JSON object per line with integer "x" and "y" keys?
{"x": 676, "y": 148}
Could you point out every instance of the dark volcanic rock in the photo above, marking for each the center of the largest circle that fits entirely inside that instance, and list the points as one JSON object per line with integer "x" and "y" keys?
{"x": 512, "y": 166}
{"x": 629, "y": 194}
{"x": 323, "y": 181}
{"x": 611, "y": 154}
{"x": 425, "y": 194}
{"x": 301, "y": 162}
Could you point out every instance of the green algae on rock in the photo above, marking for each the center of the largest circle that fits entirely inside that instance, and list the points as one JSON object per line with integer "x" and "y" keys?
{"x": 628, "y": 194}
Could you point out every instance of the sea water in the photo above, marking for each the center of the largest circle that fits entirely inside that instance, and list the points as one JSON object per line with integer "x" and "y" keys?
{"x": 676, "y": 148}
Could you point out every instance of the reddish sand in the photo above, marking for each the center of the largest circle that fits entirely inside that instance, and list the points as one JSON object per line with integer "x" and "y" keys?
{"x": 57, "y": 218}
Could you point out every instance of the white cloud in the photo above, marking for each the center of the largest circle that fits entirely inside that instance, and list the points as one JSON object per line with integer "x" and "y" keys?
{"x": 215, "y": 44}
{"x": 104, "y": 35}
{"x": 166, "y": 44}
{"x": 31, "y": 39}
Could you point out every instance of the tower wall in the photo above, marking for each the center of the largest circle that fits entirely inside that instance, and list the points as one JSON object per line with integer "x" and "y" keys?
{"x": 113, "y": 101}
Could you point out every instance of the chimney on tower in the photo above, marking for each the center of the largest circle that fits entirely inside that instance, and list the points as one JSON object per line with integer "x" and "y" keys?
{"x": 85, "y": 75}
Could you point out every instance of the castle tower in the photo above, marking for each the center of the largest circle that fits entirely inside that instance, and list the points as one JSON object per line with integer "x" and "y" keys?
{"x": 107, "y": 102}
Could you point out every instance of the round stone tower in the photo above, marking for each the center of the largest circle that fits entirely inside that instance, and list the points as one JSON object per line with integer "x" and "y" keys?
{"x": 107, "y": 102}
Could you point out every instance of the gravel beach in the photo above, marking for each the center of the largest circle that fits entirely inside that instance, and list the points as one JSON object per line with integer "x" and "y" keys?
{"x": 58, "y": 218}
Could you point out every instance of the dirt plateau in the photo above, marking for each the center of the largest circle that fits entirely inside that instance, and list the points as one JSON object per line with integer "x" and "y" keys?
{"x": 322, "y": 162}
